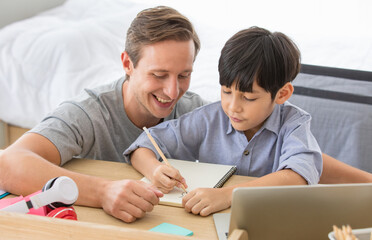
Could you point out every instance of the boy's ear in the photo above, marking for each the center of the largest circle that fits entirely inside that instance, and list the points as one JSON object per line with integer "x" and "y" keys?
{"x": 127, "y": 63}
{"x": 284, "y": 93}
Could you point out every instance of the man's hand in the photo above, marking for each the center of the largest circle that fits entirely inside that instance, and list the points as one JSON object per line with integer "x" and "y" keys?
{"x": 129, "y": 199}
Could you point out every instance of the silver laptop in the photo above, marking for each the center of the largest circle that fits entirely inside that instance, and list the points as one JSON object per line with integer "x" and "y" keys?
{"x": 300, "y": 212}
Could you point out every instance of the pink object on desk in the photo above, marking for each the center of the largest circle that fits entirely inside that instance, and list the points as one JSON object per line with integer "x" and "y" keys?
{"x": 9, "y": 201}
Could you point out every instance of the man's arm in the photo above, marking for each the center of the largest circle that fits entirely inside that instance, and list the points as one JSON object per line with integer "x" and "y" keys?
{"x": 205, "y": 201}
{"x": 335, "y": 171}
{"x": 32, "y": 160}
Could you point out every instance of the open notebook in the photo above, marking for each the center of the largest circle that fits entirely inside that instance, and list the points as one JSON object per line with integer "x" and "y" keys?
{"x": 197, "y": 175}
{"x": 3, "y": 193}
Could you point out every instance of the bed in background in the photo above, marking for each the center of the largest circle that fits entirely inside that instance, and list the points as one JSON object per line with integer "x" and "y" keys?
{"x": 52, "y": 56}
{"x": 340, "y": 103}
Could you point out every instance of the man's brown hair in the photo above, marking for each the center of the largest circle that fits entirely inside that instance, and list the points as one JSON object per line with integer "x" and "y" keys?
{"x": 158, "y": 24}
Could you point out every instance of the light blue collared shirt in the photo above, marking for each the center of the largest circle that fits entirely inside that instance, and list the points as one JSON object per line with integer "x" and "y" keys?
{"x": 283, "y": 142}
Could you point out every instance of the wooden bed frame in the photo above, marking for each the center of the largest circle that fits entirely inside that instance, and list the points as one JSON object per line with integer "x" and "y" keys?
{"x": 15, "y": 10}
{"x": 9, "y": 134}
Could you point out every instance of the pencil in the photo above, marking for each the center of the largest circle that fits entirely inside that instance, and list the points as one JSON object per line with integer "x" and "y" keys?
{"x": 160, "y": 152}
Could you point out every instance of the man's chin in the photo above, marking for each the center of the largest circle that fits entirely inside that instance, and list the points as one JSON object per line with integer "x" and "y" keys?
{"x": 162, "y": 114}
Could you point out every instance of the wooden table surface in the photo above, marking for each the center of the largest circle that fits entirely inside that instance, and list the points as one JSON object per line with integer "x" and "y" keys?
{"x": 203, "y": 227}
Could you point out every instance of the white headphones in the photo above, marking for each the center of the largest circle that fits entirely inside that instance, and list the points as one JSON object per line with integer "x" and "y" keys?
{"x": 57, "y": 192}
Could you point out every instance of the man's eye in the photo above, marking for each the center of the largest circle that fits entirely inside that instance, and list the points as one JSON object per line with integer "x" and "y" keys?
{"x": 184, "y": 76}
{"x": 159, "y": 76}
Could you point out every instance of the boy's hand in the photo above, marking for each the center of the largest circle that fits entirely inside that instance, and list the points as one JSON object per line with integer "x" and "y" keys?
{"x": 205, "y": 201}
{"x": 165, "y": 178}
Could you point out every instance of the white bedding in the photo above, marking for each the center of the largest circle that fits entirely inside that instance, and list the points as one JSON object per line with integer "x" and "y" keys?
{"x": 54, "y": 55}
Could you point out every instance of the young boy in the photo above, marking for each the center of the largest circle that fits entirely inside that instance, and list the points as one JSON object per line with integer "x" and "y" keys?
{"x": 252, "y": 127}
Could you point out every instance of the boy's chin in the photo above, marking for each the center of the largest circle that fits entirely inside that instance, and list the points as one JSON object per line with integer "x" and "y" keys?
{"x": 239, "y": 128}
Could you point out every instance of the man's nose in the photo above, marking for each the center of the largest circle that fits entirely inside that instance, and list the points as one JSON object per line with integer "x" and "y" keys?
{"x": 171, "y": 88}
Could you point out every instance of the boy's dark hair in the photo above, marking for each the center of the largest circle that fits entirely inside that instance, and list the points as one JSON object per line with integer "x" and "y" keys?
{"x": 272, "y": 59}
{"x": 158, "y": 24}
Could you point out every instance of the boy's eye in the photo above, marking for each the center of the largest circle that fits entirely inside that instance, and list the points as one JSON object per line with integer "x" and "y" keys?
{"x": 250, "y": 99}
{"x": 226, "y": 91}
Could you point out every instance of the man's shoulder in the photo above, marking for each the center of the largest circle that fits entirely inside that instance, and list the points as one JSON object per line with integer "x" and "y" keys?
{"x": 89, "y": 99}
{"x": 192, "y": 97}
{"x": 188, "y": 102}
{"x": 211, "y": 112}
{"x": 99, "y": 91}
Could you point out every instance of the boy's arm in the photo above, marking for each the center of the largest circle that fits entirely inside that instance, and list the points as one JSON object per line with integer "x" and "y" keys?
{"x": 279, "y": 178}
{"x": 299, "y": 149}
{"x": 205, "y": 201}
{"x": 178, "y": 138}
{"x": 161, "y": 175}
{"x": 335, "y": 171}
{"x": 144, "y": 161}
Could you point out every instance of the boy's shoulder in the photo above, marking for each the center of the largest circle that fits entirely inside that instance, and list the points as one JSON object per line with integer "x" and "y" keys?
{"x": 285, "y": 118}
{"x": 292, "y": 113}
{"x": 293, "y": 109}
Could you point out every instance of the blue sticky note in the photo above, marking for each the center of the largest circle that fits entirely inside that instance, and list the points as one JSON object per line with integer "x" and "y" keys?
{"x": 172, "y": 229}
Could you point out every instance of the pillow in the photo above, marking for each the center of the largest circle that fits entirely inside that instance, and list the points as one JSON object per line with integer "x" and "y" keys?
{"x": 51, "y": 57}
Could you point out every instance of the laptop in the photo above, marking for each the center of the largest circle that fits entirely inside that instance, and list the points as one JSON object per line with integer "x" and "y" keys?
{"x": 299, "y": 212}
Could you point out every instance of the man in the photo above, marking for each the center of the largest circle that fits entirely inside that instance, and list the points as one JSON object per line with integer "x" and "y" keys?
{"x": 161, "y": 47}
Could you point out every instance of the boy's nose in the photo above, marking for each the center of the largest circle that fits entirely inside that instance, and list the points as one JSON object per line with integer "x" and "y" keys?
{"x": 234, "y": 105}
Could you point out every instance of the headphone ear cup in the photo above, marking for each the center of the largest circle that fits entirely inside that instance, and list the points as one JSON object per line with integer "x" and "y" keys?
{"x": 54, "y": 205}
{"x": 63, "y": 212}
{"x": 49, "y": 184}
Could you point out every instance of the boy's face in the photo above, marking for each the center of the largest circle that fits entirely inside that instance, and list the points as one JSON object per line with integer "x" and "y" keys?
{"x": 160, "y": 78}
{"x": 247, "y": 111}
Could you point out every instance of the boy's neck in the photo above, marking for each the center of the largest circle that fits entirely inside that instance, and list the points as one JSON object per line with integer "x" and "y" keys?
{"x": 251, "y": 132}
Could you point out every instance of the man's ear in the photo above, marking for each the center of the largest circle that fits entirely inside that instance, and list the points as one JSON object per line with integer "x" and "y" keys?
{"x": 284, "y": 93}
{"x": 127, "y": 63}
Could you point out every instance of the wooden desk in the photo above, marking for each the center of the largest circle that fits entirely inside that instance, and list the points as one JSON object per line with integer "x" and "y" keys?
{"x": 203, "y": 227}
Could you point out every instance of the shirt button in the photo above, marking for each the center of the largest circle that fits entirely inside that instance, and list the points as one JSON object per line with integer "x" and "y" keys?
{"x": 246, "y": 152}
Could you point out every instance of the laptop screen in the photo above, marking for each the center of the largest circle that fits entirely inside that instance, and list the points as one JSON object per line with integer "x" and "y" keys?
{"x": 300, "y": 212}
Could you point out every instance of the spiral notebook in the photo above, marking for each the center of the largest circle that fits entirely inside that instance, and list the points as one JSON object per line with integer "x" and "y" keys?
{"x": 197, "y": 175}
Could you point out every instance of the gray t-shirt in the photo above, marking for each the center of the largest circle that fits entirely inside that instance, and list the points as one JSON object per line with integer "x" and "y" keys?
{"x": 95, "y": 125}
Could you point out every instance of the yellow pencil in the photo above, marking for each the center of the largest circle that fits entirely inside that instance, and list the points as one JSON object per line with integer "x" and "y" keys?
{"x": 160, "y": 152}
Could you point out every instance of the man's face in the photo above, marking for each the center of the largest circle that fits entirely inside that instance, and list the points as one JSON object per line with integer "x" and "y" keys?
{"x": 160, "y": 78}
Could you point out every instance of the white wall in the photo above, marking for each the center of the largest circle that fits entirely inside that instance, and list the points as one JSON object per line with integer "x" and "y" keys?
{"x": 13, "y": 10}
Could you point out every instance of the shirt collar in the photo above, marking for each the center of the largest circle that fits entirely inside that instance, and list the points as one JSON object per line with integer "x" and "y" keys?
{"x": 229, "y": 127}
{"x": 272, "y": 123}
